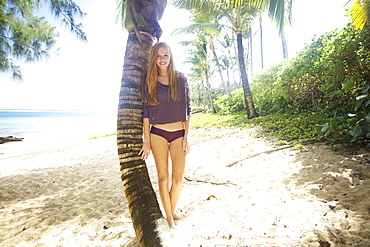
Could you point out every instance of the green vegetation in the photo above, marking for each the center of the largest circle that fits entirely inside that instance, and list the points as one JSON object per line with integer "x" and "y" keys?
{"x": 289, "y": 129}
{"x": 96, "y": 137}
{"x": 321, "y": 93}
{"x": 27, "y": 36}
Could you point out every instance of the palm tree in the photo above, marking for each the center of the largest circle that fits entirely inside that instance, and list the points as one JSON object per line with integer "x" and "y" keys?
{"x": 278, "y": 13}
{"x": 237, "y": 18}
{"x": 141, "y": 20}
{"x": 197, "y": 75}
{"x": 359, "y": 11}
{"x": 200, "y": 57}
{"x": 228, "y": 43}
{"x": 240, "y": 18}
{"x": 261, "y": 40}
{"x": 212, "y": 48}
{"x": 210, "y": 30}
{"x": 284, "y": 45}
{"x": 239, "y": 15}
{"x": 197, "y": 89}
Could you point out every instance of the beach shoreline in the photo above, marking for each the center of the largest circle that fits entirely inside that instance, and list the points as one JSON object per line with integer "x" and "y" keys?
{"x": 71, "y": 194}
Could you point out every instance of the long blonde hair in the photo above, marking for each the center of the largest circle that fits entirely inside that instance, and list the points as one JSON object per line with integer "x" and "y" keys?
{"x": 150, "y": 88}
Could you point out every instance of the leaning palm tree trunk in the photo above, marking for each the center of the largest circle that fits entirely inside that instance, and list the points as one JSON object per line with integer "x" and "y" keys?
{"x": 251, "y": 110}
{"x": 149, "y": 224}
{"x": 227, "y": 90}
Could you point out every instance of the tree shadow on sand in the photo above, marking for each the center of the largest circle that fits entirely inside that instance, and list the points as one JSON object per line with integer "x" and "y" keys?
{"x": 340, "y": 181}
{"x": 80, "y": 204}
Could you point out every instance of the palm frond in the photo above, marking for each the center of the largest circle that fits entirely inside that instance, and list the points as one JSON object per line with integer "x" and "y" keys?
{"x": 211, "y": 5}
{"x": 209, "y": 28}
{"x": 359, "y": 11}
{"x": 280, "y": 12}
{"x": 121, "y": 12}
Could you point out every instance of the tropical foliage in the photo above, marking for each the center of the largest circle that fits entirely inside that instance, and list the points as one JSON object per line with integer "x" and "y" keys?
{"x": 225, "y": 105}
{"x": 330, "y": 76}
{"x": 25, "y": 33}
{"x": 323, "y": 92}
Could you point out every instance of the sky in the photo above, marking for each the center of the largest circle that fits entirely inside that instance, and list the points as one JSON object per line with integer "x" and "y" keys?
{"x": 87, "y": 76}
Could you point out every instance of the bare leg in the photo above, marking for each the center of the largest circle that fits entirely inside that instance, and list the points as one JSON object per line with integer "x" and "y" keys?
{"x": 160, "y": 150}
{"x": 178, "y": 169}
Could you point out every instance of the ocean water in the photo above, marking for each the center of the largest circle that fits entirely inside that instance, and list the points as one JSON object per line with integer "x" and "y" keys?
{"x": 58, "y": 124}
{"x": 51, "y": 138}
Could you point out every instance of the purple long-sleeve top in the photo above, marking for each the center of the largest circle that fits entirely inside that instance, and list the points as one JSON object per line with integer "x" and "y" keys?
{"x": 169, "y": 110}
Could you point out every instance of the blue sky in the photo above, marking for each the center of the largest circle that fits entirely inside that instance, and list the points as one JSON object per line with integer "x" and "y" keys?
{"x": 87, "y": 75}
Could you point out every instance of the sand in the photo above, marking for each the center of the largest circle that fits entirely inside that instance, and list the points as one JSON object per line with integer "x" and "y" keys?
{"x": 70, "y": 194}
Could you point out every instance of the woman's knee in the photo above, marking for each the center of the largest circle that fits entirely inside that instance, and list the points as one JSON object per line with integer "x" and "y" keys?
{"x": 163, "y": 178}
{"x": 177, "y": 180}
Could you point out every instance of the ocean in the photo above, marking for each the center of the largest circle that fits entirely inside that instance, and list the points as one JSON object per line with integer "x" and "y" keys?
{"x": 42, "y": 129}
{"x": 27, "y": 123}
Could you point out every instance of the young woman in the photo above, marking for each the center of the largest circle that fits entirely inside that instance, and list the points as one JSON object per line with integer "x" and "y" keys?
{"x": 166, "y": 116}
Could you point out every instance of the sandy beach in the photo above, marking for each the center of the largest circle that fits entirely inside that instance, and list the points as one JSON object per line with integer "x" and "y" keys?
{"x": 237, "y": 194}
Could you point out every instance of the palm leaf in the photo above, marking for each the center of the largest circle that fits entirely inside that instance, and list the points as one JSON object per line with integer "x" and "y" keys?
{"x": 359, "y": 10}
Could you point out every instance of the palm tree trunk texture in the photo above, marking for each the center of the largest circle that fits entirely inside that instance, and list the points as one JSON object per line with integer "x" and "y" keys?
{"x": 251, "y": 110}
{"x": 221, "y": 76}
{"x": 261, "y": 41}
{"x": 148, "y": 221}
{"x": 251, "y": 51}
{"x": 209, "y": 91}
{"x": 284, "y": 45}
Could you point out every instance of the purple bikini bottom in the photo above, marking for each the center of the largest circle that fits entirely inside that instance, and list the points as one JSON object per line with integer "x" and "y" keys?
{"x": 168, "y": 135}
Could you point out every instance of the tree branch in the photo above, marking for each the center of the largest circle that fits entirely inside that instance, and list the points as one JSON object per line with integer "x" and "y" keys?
{"x": 203, "y": 181}
{"x": 265, "y": 152}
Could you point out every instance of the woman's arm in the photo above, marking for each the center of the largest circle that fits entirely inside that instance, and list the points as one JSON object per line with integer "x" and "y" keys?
{"x": 145, "y": 150}
{"x": 185, "y": 143}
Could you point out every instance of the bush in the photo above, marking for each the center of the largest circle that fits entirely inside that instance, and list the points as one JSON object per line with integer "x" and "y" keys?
{"x": 330, "y": 75}
{"x": 225, "y": 106}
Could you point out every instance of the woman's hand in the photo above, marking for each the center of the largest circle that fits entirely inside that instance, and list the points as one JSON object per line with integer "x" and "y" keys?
{"x": 145, "y": 150}
{"x": 185, "y": 146}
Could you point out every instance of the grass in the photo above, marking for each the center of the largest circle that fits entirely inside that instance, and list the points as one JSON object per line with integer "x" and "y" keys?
{"x": 204, "y": 120}
{"x": 287, "y": 128}
{"x": 96, "y": 137}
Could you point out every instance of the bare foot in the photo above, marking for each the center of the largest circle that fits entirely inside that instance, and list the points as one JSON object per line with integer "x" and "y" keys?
{"x": 171, "y": 223}
{"x": 178, "y": 216}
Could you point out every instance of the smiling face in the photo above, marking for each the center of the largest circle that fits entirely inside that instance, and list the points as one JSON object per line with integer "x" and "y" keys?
{"x": 163, "y": 58}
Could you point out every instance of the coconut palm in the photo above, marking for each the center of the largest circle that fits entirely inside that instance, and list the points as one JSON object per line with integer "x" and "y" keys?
{"x": 199, "y": 97}
{"x": 237, "y": 19}
{"x": 359, "y": 11}
{"x": 228, "y": 61}
{"x": 141, "y": 21}
{"x": 212, "y": 48}
{"x": 200, "y": 57}
{"x": 196, "y": 75}
{"x": 239, "y": 15}
{"x": 211, "y": 31}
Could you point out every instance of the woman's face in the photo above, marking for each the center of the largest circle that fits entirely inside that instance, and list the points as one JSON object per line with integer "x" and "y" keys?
{"x": 163, "y": 58}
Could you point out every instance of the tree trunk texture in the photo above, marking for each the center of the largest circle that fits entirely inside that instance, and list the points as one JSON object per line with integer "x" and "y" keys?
{"x": 251, "y": 110}
{"x": 238, "y": 83}
{"x": 221, "y": 76}
{"x": 251, "y": 52}
{"x": 150, "y": 226}
{"x": 285, "y": 46}
{"x": 204, "y": 94}
{"x": 261, "y": 42}
{"x": 209, "y": 91}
